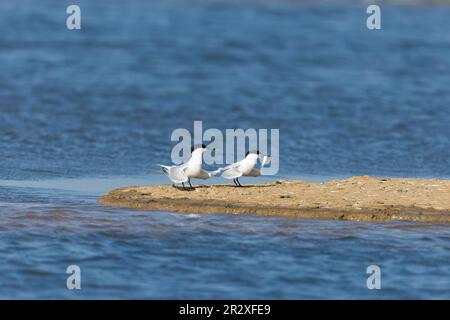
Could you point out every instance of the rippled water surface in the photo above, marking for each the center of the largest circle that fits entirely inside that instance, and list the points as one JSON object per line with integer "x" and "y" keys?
{"x": 141, "y": 254}
{"x": 83, "y": 112}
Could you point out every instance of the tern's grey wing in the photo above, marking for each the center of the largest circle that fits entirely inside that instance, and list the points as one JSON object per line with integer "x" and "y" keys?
{"x": 231, "y": 173}
{"x": 175, "y": 173}
{"x": 233, "y": 165}
{"x": 254, "y": 173}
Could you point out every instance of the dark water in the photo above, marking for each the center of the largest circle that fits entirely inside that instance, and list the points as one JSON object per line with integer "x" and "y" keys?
{"x": 106, "y": 99}
{"x": 101, "y": 104}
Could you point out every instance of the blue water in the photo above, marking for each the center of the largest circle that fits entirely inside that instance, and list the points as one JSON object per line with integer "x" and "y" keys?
{"x": 83, "y": 112}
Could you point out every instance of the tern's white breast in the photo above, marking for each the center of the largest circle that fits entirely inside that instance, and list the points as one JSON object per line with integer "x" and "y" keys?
{"x": 194, "y": 165}
{"x": 247, "y": 165}
{"x": 193, "y": 170}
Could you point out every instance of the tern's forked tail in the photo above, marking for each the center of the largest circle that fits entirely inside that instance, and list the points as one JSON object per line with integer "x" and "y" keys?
{"x": 164, "y": 169}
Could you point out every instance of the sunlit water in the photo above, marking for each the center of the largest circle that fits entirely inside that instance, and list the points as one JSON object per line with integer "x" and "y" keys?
{"x": 85, "y": 112}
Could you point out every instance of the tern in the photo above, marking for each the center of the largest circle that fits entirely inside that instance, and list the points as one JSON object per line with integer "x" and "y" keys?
{"x": 191, "y": 169}
{"x": 246, "y": 167}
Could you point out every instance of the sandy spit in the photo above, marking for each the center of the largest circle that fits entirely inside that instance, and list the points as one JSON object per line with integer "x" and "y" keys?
{"x": 357, "y": 198}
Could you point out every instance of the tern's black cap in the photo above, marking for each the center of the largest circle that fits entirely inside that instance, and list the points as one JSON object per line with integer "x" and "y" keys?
{"x": 198, "y": 146}
{"x": 253, "y": 151}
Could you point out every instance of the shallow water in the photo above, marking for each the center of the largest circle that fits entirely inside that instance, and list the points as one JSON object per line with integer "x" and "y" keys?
{"x": 140, "y": 254}
{"x": 85, "y": 112}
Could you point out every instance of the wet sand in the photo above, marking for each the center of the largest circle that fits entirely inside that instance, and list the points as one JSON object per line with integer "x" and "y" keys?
{"x": 357, "y": 198}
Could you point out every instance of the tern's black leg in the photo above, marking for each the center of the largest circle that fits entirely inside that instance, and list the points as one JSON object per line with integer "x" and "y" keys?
{"x": 189, "y": 180}
{"x": 184, "y": 188}
{"x": 239, "y": 184}
{"x": 234, "y": 180}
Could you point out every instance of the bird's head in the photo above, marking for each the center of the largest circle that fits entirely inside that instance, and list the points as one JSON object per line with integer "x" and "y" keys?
{"x": 253, "y": 154}
{"x": 199, "y": 148}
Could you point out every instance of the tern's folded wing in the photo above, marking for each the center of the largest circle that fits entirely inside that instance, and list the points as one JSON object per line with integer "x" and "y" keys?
{"x": 175, "y": 173}
{"x": 231, "y": 173}
{"x": 254, "y": 173}
{"x": 233, "y": 165}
